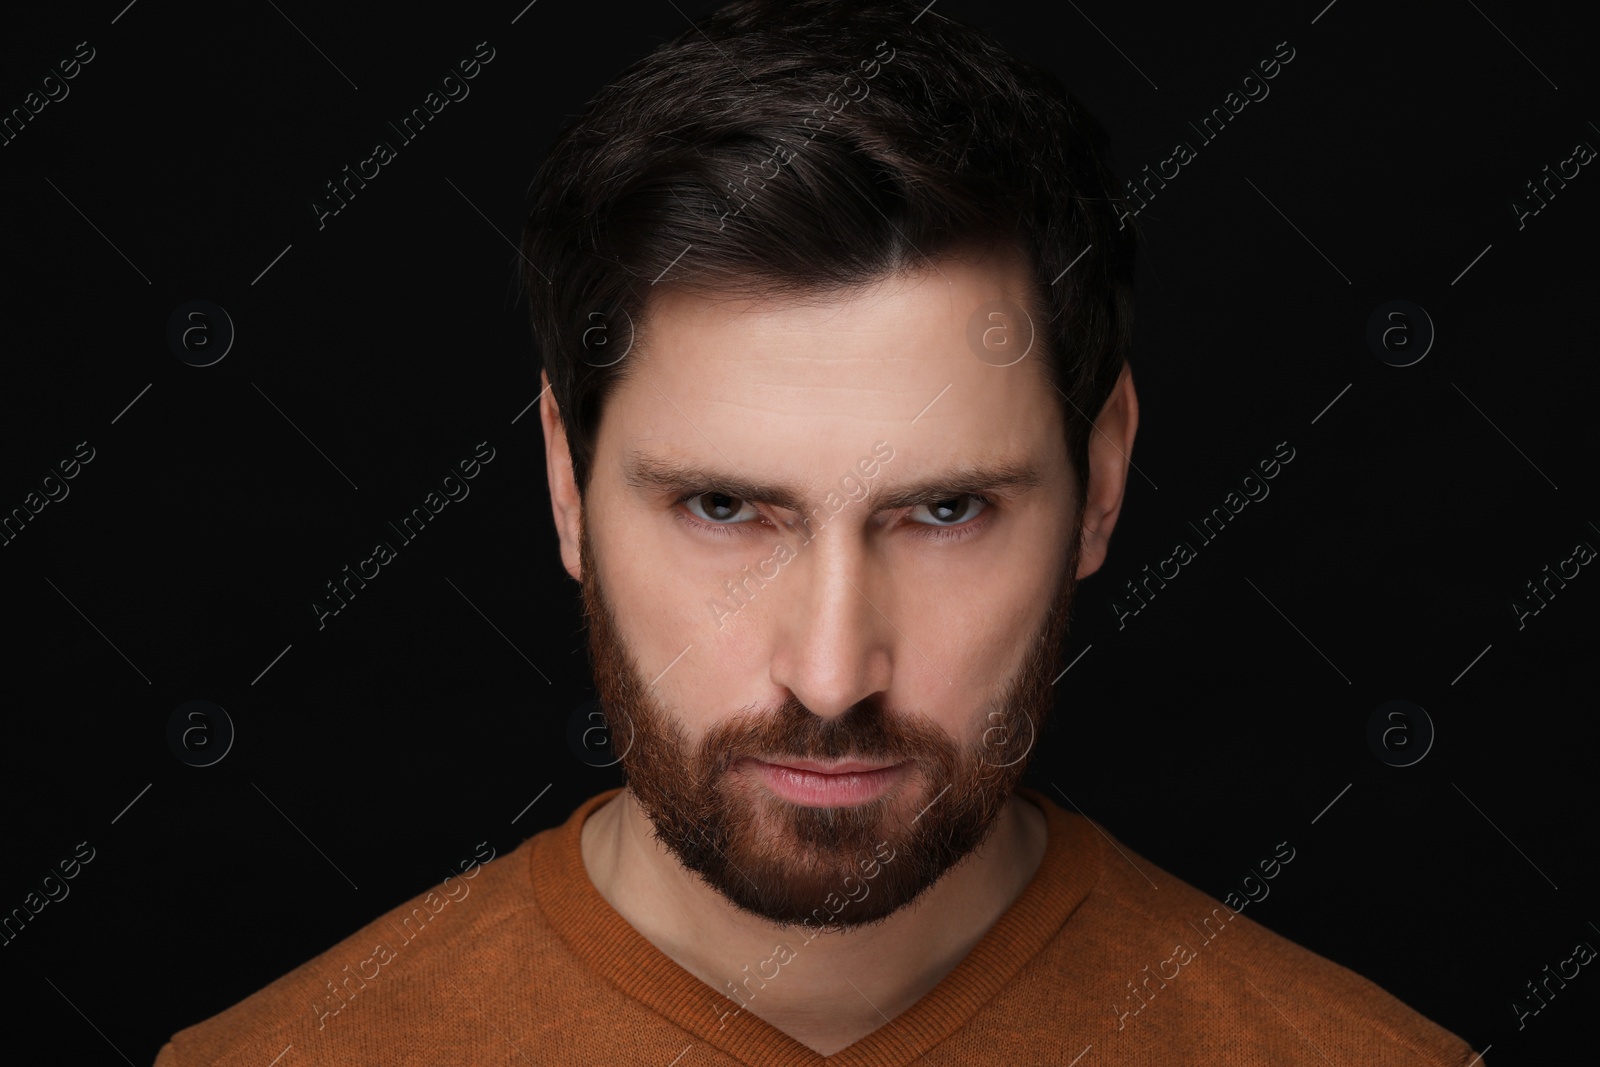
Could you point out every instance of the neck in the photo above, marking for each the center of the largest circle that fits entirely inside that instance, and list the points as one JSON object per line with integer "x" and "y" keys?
{"x": 774, "y": 972}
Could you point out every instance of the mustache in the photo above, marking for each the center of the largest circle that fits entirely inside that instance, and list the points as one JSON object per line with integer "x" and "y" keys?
{"x": 867, "y": 731}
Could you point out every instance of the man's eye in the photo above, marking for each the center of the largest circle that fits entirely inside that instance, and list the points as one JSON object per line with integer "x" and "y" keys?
{"x": 719, "y": 509}
{"x": 952, "y": 511}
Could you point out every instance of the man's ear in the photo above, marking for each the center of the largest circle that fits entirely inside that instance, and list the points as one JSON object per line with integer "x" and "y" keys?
{"x": 565, "y": 502}
{"x": 1110, "y": 452}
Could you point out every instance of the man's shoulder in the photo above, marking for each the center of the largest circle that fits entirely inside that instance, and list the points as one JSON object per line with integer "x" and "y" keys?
{"x": 1185, "y": 966}
{"x": 483, "y": 920}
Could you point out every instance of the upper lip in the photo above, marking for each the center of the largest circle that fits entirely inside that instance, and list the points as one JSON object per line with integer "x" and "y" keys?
{"x": 841, "y": 767}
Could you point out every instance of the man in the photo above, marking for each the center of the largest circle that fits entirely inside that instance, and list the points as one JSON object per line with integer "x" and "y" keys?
{"x": 834, "y": 302}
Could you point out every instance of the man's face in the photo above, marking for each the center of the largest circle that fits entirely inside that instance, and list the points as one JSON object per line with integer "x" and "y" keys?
{"x": 890, "y": 611}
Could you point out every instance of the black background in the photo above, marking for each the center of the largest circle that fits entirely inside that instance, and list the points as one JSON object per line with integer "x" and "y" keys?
{"x": 378, "y": 350}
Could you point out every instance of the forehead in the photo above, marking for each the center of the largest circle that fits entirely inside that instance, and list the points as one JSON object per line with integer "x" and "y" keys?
{"x": 915, "y": 358}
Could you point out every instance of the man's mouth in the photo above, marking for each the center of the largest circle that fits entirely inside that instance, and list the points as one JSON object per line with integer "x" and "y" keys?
{"x": 841, "y": 783}
{"x": 836, "y": 767}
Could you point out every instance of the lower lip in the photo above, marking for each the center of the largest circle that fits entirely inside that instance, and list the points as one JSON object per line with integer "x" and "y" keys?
{"x": 828, "y": 790}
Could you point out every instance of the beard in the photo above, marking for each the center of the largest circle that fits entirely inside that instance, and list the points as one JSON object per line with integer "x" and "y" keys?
{"x": 826, "y": 868}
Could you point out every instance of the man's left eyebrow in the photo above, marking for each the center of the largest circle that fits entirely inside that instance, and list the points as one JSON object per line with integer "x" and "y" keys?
{"x": 1004, "y": 478}
{"x": 652, "y": 473}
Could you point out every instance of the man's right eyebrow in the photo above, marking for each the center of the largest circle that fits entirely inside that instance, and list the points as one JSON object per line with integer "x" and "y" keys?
{"x": 659, "y": 474}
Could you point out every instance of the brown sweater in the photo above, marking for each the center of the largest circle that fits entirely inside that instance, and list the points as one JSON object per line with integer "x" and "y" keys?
{"x": 1092, "y": 965}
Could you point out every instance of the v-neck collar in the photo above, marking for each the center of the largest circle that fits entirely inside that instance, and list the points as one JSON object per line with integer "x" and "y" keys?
{"x": 611, "y": 947}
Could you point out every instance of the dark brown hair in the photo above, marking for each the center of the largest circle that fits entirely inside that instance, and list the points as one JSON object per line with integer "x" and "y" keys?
{"x": 790, "y": 147}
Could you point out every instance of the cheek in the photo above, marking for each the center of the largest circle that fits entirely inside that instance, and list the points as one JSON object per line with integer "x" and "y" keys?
{"x": 683, "y": 586}
{"x": 639, "y": 572}
{"x": 663, "y": 619}
{"x": 979, "y": 633}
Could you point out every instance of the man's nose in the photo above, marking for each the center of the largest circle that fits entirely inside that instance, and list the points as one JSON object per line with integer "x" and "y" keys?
{"x": 833, "y": 646}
